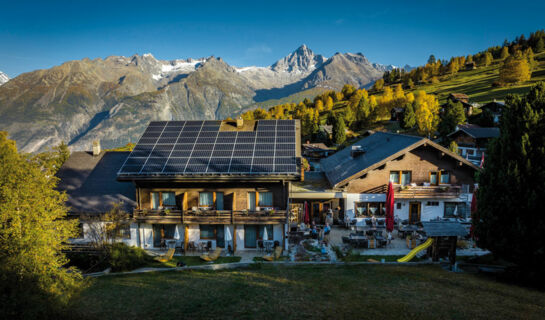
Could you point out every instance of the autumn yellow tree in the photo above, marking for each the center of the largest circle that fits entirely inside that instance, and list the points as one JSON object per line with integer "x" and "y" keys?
{"x": 379, "y": 84}
{"x": 515, "y": 69}
{"x": 329, "y": 103}
{"x": 426, "y": 112}
{"x": 504, "y": 53}
{"x": 319, "y": 105}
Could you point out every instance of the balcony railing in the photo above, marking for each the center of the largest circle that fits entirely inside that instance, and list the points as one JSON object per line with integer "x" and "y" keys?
{"x": 211, "y": 216}
{"x": 424, "y": 192}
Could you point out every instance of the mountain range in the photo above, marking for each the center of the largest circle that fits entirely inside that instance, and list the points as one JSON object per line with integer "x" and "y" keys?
{"x": 113, "y": 99}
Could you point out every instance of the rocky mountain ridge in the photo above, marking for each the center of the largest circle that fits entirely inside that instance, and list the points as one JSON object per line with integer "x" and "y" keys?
{"x": 113, "y": 99}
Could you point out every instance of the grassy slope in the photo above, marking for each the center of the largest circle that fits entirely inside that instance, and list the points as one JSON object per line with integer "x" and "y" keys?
{"x": 346, "y": 292}
{"x": 478, "y": 83}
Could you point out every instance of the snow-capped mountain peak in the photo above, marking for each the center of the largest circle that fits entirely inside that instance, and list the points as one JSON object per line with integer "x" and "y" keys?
{"x": 301, "y": 60}
{"x": 3, "y": 78}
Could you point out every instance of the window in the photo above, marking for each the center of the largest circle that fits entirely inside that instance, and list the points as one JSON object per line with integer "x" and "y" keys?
{"x": 155, "y": 200}
{"x": 219, "y": 200}
{"x": 432, "y": 203}
{"x": 206, "y": 199}
{"x": 367, "y": 209}
{"x": 394, "y": 177}
{"x": 169, "y": 199}
{"x": 445, "y": 177}
{"x": 398, "y": 206}
{"x": 265, "y": 199}
{"x": 251, "y": 201}
{"x": 455, "y": 209}
{"x": 433, "y": 178}
{"x": 124, "y": 231}
{"x": 252, "y": 233}
{"x": 208, "y": 231}
{"x": 405, "y": 178}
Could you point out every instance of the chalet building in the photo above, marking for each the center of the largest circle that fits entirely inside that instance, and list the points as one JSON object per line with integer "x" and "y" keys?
{"x": 430, "y": 181}
{"x": 463, "y": 99}
{"x": 495, "y": 108}
{"x": 89, "y": 180}
{"x": 471, "y": 65}
{"x": 473, "y": 140}
{"x": 218, "y": 183}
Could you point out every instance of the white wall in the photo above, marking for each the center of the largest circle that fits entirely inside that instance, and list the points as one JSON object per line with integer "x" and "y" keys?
{"x": 427, "y": 212}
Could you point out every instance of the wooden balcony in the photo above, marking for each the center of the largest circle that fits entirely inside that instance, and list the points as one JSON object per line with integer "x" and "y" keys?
{"x": 210, "y": 216}
{"x": 427, "y": 192}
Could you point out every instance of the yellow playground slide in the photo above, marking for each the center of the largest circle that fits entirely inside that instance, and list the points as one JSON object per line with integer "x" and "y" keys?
{"x": 414, "y": 251}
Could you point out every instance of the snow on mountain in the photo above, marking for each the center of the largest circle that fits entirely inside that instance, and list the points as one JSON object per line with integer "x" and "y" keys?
{"x": 3, "y": 78}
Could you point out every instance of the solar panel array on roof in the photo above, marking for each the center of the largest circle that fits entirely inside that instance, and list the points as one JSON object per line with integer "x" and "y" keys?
{"x": 199, "y": 147}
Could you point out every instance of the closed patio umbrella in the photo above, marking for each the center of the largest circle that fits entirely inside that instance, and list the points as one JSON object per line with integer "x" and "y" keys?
{"x": 265, "y": 234}
{"x": 473, "y": 212}
{"x": 390, "y": 208}
{"x": 228, "y": 236}
{"x": 307, "y": 217}
{"x": 176, "y": 233}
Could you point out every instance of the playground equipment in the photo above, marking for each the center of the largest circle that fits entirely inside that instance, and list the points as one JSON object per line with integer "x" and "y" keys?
{"x": 416, "y": 250}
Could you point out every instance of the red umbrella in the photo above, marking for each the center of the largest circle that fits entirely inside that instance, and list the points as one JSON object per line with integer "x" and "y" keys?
{"x": 390, "y": 208}
{"x": 473, "y": 211}
{"x": 307, "y": 217}
{"x": 482, "y": 160}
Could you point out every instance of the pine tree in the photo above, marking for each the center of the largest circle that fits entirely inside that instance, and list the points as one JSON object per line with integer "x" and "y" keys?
{"x": 409, "y": 118}
{"x": 453, "y": 115}
{"x": 34, "y": 230}
{"x": 431, "y": 59}
{"x": 540, "y": 45}
{"x": 510, "y": 220}
{"x": 339, "y": 130}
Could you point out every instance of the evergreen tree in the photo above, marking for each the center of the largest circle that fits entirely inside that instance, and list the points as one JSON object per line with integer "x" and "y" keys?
{"x": 339, "y": 130}
{"x": 510, "y": 221}
{"x": 540, "y": 45}
{"x": 431, "y": 59}
{"x": 453, "y": 115}
{"x": 34, "y": 230}
{"x": 409, "y": 118}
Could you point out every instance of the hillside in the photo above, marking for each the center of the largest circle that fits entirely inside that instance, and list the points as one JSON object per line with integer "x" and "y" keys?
{"x": 477, "y": 84}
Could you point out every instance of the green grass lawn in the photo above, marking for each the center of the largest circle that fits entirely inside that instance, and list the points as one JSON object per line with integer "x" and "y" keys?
{"x": 191, "y": 261}
{"x": 313, "y": 291}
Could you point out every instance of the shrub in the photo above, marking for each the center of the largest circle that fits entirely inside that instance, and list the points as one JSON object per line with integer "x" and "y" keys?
{"x": 123, "y": 258}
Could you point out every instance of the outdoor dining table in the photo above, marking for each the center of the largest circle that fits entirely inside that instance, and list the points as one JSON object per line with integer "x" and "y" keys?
{"x": 408, "y": 229}
{"x": 268, "y": 244}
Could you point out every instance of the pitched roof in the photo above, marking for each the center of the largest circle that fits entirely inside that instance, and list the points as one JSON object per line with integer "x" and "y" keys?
{"x": 206, "y": 149}
{"x": 459, "y": 96}
{"x": 379, "y": 147}
{"x": 478, "y": 132}
{"x": 91, "y": 185}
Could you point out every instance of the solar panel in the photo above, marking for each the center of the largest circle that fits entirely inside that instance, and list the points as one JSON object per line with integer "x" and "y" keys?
{"x": 198, "y": 147}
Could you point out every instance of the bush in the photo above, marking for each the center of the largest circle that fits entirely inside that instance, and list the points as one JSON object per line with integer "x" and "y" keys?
{"x": 125, "y": 258}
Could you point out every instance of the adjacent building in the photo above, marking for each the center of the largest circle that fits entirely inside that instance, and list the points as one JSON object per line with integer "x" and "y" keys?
{"x": 430, "y": 181}
{"x": 472, "y": 141}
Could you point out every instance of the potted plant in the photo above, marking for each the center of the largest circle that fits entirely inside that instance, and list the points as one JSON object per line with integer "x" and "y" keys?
{"x": 167, "y": 211}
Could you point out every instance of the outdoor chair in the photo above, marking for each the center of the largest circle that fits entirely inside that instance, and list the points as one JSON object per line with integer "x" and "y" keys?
{"x": 191, "y": 246}
{"x": 260, "y": 245}
{"x": 167, "y": 256}
{"x": 209, "y": 257}
{"x": 361, "y": 243}
{"x": 359, "y": 233}
{"x": 346, "y": 240}
{"x": 208, "y": 246}
{"x": 368, "y": 222}
{"x": 380, "y": 222}
{"x": 276, "y": 255}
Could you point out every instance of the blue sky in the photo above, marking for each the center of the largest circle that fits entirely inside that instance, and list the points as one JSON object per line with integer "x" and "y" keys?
{"x": 36, "y": 35}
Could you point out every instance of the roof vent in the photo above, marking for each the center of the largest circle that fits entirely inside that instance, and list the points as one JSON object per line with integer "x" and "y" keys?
{"x": 96, "y": 147}
{"x": 240, "y": 122}
{"x": 356, "y": 151}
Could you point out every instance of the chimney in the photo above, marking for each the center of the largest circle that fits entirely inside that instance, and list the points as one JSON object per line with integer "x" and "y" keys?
{"x": 356, "y": 151}
{"x": 240, "y": 122}
{"x": 96, "y": 147}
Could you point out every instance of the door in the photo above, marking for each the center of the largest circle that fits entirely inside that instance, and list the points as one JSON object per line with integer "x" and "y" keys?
{"x": 220, "y": 236}
{"x": 414, "y": 212}
{"x": 316, "y": 212}
{"x": 250, "y": 236}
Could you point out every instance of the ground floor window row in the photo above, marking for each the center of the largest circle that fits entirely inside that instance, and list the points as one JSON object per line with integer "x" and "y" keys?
{"x": 378, "y": 209}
